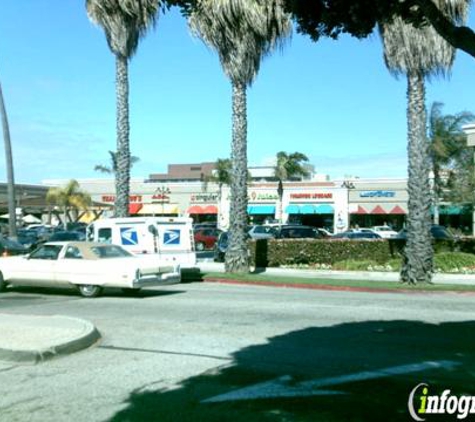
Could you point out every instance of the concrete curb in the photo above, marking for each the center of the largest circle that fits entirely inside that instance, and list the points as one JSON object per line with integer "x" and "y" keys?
{"x": 74, "y": 335}
{"x": 331, "y": 287}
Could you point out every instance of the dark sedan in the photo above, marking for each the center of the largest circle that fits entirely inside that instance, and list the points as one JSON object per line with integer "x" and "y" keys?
{"x": 356, "y": 235}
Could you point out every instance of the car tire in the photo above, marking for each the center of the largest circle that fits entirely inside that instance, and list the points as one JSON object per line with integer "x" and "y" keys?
{"x": 89, "y": 290}
{"x": 3, "y": 284}
{"x": 200, "y": 246}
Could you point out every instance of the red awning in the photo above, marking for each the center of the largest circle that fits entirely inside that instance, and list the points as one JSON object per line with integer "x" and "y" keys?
{"x": 195, "y": 209}
{"x": 360, "y": 210}
{"x": 134, "y": 208}
{"x": 378, "y": 210}
{"x": 397, "y": 210}
{"x": 210, "y": 209}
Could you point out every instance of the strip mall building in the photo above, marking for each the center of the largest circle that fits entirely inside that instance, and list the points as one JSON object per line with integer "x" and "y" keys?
{"x": 319, "y": 202}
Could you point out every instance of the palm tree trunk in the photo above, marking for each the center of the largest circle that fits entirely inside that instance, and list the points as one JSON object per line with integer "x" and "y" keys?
{"x": 122, "y": 175}
{"x": 418, "y": 254}
{"x": 9, "y": 163}
{"x": 280, "y": 193}
{"x": 237, "y": 260}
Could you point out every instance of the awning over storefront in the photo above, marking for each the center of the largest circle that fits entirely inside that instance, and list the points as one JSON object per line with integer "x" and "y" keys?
{"x": 309, "y": 209}
{"x": 381, "y": 209}
{"x": 157, "y": 209}
{"x": 200, "y": 209}
{"x": 261, "y": 209}
{"x": 450, "y": 210}
{"x": 134, "y": 208}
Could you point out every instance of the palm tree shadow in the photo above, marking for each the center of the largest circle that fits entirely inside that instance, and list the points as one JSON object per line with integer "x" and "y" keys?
{"x": 318, "y": 353}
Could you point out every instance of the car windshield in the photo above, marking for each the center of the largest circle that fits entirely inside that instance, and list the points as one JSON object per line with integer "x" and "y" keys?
{"x": 110, "y": 251}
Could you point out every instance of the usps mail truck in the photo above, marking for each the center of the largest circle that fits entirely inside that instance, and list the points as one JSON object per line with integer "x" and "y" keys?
{"x": 171, "y": 238}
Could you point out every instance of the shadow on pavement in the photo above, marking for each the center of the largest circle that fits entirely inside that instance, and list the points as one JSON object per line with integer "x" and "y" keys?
{"x": 317, "y": 353}
{"x": 72, "y": 292}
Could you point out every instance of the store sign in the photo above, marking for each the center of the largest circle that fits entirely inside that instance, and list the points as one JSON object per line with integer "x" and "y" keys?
{"x": 378, "y": 194}
{"x": 132, "y": 198}
{"x": 204, "y": 197}
{"x": 160, "y": 197}
{"x": 314, "y": 195}
{"x": 254, "y": 196}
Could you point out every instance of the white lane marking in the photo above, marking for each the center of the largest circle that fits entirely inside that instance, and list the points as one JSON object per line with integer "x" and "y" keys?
{"x": 284, "y": 387}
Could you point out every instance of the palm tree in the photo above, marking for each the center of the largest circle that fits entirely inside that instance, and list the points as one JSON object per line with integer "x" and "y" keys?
{"x": 446, "y": 144}
{"x": 113, "y": 165}
{"x": 242, "y": 33}
{"x": 287, "y": 167}
{"x": 9, "y": 164}
{"x": 418, "y": 53}
{"x": 124, "y": 23}
{"x": 221, "y": 176}
{"x": 68, "y": 197}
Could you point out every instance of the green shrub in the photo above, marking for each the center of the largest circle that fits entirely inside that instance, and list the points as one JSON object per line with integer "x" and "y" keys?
{"x": 277, "y": 252}
{"x": 451, "y": 261}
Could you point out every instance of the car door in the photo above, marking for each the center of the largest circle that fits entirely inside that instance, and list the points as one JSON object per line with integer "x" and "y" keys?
{"x": 39, "y": 268}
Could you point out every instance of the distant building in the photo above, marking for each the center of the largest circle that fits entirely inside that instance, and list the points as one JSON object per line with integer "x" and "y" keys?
{"x": 184, "y": 173}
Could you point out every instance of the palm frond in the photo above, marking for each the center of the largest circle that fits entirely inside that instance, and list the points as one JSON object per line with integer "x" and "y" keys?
{"x": 124, "y": 21}
{"x": 242, "y": 32}
{"x": 410, "y": 49}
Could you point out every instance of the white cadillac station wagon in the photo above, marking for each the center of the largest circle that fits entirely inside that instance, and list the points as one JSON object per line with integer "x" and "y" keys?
{"x": 88, "y": 266}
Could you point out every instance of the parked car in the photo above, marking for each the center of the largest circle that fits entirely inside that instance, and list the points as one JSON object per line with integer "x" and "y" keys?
{"x": 385, "y": 232}
{"x": 357, "y": 235}
{"x": 220, "y": 247}
{"x": 206, "y": 238}
{"x": 261, "y": 232}
{"x": 88, "y": 266}
{"x": 64, "y": 236}
{"x": 9, "y": 247}
{"x": 436, "y": 231}
{"x": 297, "y": 232}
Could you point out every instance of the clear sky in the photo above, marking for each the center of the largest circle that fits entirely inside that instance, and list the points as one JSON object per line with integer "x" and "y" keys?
{"x": 332, "y": 100}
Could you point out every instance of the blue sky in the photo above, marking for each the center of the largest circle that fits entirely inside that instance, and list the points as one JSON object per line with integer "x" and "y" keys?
{"x": 332, "y": 100}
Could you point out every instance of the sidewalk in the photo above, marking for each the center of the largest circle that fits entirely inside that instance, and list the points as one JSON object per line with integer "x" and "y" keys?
{"x": 32, "y": 339}
{"x": 454, "y": 279}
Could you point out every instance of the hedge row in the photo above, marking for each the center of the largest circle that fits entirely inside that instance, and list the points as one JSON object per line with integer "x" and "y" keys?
{"x": 274, "y": 252}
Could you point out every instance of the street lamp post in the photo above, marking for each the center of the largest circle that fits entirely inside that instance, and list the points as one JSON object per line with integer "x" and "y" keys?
{"x": 349, "y": 185}
{"x": 469, "y": 130}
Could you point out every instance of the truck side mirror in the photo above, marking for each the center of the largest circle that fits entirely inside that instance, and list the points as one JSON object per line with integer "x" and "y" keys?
{"x": 152, "y": 229}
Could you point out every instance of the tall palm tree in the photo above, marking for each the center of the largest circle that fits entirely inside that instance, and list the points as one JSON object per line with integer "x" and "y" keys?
{"x": 112, "y": 168}
{"x": 446, "y": 144}
{"x": 242, "y": 32}
{"x": 419, "y": 53}
{"x": 288, "y": 166}
{"x": 124, "y": 22}
{"x": 9, "y": 164}
{"x": 69, "y": 197}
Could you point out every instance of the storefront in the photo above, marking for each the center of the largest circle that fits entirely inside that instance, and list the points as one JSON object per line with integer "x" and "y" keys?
{"x": 203, "y": 207}
{"x": 375, "y": 205}
{"x": 311, "y": 207}
{"x": 262, "y": 205}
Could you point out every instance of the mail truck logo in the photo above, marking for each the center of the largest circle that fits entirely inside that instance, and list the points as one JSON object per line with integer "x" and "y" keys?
{"x": 171, "y": 237}
{"x": 128, "y": 236}
{"x": 421, "y": 404}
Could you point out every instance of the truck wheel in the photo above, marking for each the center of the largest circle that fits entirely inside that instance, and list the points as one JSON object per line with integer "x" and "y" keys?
{"x": 200, "y": 246}
{"x": 3, "y": 285}
{"x": 89, "y": 290}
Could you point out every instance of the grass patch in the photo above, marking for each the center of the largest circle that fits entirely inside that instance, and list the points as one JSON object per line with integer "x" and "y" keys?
{"x": 366, "y": 284}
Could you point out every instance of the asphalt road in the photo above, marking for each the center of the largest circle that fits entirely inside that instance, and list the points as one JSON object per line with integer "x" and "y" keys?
{"x": 160, "y": 341}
